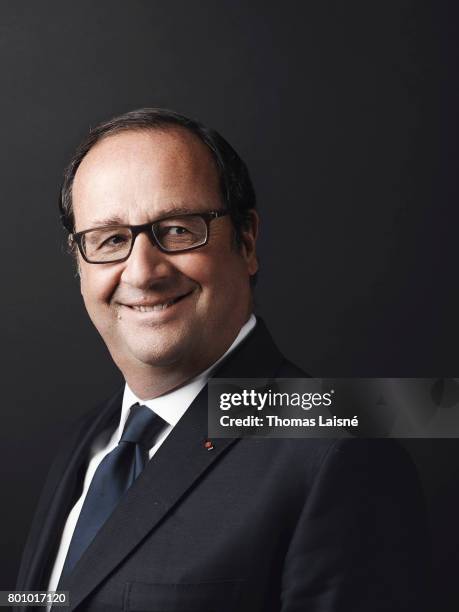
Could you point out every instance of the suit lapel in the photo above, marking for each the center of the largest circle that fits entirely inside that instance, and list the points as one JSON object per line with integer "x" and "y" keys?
{"x": 174, "y": 469}
{"x": 62, "y": 487}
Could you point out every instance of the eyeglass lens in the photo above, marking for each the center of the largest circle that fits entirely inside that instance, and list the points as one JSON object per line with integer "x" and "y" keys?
{"x": 173, "y": 234}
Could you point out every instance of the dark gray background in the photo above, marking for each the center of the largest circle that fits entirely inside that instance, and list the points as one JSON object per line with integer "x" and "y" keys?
{"x": 346, "y": 115}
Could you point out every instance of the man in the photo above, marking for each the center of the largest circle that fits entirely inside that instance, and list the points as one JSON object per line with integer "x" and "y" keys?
{"x": 162, "y": 221}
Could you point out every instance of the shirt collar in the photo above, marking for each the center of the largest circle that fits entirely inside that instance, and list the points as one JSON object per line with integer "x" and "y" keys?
{"x": 173, "y": 405}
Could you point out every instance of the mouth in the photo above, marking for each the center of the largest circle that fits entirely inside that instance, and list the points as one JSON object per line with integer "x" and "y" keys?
{"x": 159, "y": 306}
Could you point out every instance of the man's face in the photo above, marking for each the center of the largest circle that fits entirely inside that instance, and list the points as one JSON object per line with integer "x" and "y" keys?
{"x": 134, "y": 178}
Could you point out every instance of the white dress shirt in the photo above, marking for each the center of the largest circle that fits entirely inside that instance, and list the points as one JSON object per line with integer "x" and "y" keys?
{"x": 170, "y": 407}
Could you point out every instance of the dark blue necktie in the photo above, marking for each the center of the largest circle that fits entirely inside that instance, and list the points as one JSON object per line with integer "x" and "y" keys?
{"x": 113, "y": 477}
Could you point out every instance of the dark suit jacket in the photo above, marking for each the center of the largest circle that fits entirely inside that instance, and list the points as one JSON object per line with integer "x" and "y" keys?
{"x": 252, "y": 525}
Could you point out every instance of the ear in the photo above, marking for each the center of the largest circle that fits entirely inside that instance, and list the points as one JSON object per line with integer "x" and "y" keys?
{"x": 72, "y": 250}
{"x": 248, "y": 242}
{"x": 76, "y": 264}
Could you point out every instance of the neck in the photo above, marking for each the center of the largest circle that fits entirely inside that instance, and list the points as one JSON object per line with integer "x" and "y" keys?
{"x": 149, "y": 381}
{"x": 154, "y": 382}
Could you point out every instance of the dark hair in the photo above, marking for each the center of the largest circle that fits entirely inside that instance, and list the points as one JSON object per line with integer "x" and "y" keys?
{"x": 236, "y": 186}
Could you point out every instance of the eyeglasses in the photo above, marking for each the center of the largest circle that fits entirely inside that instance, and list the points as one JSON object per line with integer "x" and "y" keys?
{"x": 114, "y": 243}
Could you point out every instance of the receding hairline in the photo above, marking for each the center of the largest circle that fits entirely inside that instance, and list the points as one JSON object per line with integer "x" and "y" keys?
{"x": 172, "y": 129}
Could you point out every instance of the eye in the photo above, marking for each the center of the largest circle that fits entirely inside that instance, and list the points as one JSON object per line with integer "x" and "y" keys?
{"x": 114, "y": 240}
{"x": 180, "y": 232}
{"x": 176, "y": 230}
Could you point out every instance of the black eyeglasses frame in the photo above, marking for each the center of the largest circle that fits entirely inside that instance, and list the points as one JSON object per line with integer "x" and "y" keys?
{"x": 77, "y": 237}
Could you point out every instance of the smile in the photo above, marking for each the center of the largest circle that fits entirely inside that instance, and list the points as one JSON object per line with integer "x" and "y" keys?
{"x": 157, "y": 307}
{"x": 154, "y": 308}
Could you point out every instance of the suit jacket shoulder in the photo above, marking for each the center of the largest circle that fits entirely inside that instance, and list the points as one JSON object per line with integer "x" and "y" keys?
{"x": 268, "y": 525}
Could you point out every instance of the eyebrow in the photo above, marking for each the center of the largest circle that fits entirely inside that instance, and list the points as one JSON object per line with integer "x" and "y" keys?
{"x": 112, "y": 220}
{"x": 170, "y": 212}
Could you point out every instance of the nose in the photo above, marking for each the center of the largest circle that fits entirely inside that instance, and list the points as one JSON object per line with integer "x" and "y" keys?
{"x": 146, "y": 264}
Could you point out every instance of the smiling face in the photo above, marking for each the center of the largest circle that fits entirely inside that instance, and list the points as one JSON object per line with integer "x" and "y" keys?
{"x": 162, "y": 316}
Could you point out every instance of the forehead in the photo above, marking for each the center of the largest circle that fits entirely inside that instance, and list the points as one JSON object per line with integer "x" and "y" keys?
{"x": 137, "y": 175}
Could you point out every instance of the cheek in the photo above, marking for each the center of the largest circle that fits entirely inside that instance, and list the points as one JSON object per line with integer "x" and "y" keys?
{"x": 96, "y": 286}
{"x": 197, "y": 266}
{"x": 215, "y": 273}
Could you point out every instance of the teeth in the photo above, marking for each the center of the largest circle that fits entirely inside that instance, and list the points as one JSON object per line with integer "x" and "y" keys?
{"x": 155, "y": 308}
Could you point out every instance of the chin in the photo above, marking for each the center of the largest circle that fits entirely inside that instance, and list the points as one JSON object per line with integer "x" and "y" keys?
{"x": 161, "y": 355}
